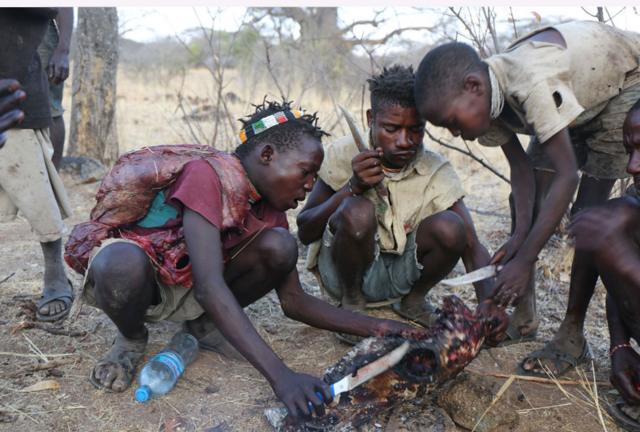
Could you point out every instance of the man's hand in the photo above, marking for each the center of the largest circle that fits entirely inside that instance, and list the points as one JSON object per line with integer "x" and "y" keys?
{"x": 367, "y": 170}
{"x": 397, "y": 328}
{"x": 512, "y": 282}
{"x": 10, "y": 115}
{"x": 508, "y": 250}
{"x": 58, "y": 67}
{"x": 625, "y": 374}
{"x": 296, "y": 390}
{"x": 596, "y": 228}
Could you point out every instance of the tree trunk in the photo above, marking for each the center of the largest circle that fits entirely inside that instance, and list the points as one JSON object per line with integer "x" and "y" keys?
{"x": 93, "y": 105}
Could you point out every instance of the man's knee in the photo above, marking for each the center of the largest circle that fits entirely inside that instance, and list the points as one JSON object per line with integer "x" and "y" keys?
{"x": 120, "y": 267}
{"x": 448, "y": 229}
{"x": 355, "y": 217}
{"x": 279, "y": 249}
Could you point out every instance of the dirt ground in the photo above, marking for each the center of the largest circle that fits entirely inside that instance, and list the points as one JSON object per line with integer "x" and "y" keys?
{"x": 217, "y": 394}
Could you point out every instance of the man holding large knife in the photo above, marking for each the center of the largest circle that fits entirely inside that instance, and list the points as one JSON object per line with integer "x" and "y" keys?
{"x": 386, "y": 216}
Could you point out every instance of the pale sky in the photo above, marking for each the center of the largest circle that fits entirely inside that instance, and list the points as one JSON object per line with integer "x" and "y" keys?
{"x": 146, "y": 24}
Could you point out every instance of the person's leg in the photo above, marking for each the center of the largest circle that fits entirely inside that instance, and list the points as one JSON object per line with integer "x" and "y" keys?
{"x": 354, "y": 227}
{"x": 259, "y": 268}
{"x": 440, "y": 242}
{"x": 124, "y": 287}
{"x": 57, "y": 133}
{"x": 569, "y": 339}
{"x": 25, "y": 180}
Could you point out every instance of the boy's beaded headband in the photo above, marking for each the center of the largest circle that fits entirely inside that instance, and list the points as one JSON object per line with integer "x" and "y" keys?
{"x": 267, "y": 122}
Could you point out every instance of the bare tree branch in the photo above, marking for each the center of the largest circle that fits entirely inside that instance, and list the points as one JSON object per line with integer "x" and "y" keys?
{"x": 468, "y": 153}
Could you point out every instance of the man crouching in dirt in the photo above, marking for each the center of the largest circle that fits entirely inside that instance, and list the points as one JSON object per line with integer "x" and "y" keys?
{"x": 232, "y": 267}
{"x": 610, "y": 234}
{"x": 370, "y": 249}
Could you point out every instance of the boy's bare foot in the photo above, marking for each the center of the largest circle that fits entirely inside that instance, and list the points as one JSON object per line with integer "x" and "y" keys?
{"x": 565, "y": 351}
{"x": 115, "y": 371}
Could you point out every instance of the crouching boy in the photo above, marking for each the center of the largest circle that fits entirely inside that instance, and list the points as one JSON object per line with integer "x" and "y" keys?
{"x": 213, "y": 242}
{"x": 369, "y": 249}
{"x": 610, "y": 236}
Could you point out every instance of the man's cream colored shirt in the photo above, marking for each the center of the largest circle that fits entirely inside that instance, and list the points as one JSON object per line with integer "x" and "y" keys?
{"x": 426, "y": 186}
{"x": 550, "y": 87}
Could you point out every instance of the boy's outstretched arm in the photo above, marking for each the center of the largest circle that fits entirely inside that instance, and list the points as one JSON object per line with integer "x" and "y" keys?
{"x": 475, "y": 255}
{"x": 216, "y": 298}
{"x": 308, "y": 309}
{"x": 512, "y": 280}
{"x": 523, "y": 189}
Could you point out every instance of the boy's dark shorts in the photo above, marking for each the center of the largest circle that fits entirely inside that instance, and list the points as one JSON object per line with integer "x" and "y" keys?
{"x": 598, "y": 143}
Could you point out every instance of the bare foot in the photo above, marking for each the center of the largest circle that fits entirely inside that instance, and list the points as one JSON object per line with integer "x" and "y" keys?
{"x": 115, "y": 371}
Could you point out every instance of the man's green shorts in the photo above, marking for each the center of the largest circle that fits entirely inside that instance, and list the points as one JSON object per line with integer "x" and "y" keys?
{"x": 389, "y": 276}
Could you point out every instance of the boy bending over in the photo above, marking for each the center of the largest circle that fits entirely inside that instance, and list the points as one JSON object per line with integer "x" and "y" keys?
{"x": 369, "y": 249}
{"x": 569, "y": 87}
{"x": 230, "y": 264}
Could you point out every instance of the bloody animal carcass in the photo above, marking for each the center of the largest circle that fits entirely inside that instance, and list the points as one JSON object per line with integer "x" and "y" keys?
{"x": 437, "y": 355}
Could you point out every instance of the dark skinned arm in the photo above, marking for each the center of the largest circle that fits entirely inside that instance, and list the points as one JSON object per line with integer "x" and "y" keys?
{"x": 523, "y": 188}
{"x": 58, "y": 67}
{"x": 210, "y": 289}
{"x": 308, "y": 309}
{"x": 323, "y": 201}
{"x": 475, "y": 255}
{"x": 512, "y": 280}
{"x": 625, "y": 361}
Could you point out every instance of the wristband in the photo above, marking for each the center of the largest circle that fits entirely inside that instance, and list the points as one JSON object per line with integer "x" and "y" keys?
{"x": 351, "y": 188}
{"x": 617, "y": 347}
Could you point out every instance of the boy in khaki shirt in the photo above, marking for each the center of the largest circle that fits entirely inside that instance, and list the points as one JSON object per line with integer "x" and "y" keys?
{"x": 370, "y": 251}
{"x": 568, "y": 86}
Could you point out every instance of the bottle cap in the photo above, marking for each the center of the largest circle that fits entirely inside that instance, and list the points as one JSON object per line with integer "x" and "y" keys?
{"x": 143, "y": 394}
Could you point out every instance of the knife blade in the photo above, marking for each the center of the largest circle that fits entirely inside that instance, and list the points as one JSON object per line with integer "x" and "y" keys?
{"x": 371, "y": 370}
{"x": 474, "y": 276}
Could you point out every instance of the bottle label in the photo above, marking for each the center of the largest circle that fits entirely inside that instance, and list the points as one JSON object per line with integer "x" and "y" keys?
{"x": 172, "y": 360}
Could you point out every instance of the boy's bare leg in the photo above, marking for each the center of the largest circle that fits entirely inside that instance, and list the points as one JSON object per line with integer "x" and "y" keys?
{"x": 570, "y": 338}
{"x": 124, "y": 286}
{"x": 55, "y": 280}
{"x": 354, "y": 227}
{"x": 440, "y": 242}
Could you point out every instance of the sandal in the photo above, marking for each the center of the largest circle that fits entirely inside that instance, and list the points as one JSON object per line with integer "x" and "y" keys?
{"x": 426, "y": 316}
{"x": 124, "y": 352}
{"x": 620, "y": 412}
{"x": 562, "y": 362}
{"x": 513, "y": 337}
{"x": 65, "y": 297}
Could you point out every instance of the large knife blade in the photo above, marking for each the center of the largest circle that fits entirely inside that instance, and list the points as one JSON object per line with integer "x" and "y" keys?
{"x": 474, "y": 276}
{"x": 371, "y": 370}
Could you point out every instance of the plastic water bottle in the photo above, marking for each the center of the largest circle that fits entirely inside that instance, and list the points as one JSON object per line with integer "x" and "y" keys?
{"x": 162, "y": 371}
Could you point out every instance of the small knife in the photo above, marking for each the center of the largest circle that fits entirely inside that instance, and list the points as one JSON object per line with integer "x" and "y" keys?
{"x": 474, "y": 276}
{"x": 365, "y": 373}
